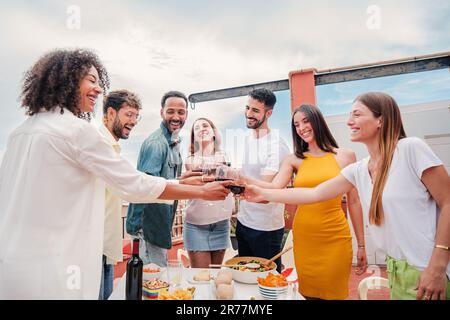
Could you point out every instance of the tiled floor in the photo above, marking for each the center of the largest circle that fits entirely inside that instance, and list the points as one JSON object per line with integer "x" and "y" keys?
{"x": 374, "y": 294}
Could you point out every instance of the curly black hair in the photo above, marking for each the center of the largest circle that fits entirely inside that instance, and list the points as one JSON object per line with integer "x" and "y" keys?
{"x": 54, "y": 80}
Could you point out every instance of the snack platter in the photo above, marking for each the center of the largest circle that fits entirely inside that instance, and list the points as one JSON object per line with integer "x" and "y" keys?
{"x": 204, "y": 290}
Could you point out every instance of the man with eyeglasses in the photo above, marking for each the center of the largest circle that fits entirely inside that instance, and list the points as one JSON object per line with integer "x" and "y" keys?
{"x": 159, "y": 156}
{"x": 120, "y": 115}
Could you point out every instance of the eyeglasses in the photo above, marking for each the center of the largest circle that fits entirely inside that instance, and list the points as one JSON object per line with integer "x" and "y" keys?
{"x": 131, "y": 115}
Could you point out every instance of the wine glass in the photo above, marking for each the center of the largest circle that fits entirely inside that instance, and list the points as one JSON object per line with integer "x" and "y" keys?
{"x": 197, "y": 164}
{"x": 209, "y": 167}
{"x": 223, "y": 158}
{"x": 232, "y": 174}
{"x": 209, "y": 171}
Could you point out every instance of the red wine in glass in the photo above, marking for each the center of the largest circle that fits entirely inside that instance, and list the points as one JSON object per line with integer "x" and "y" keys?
{"x": 236, "y": 189}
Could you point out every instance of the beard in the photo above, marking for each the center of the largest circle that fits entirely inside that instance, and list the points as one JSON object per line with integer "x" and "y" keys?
{"x": 167, "y": 124}
{"x": 118, "y": 129}
{"x": 257, "y": 124}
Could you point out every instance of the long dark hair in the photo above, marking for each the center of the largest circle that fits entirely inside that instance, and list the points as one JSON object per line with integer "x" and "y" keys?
{"x": 54, "y": 80}
{"x": 195, "y": 146}
{"x": 322, "y": 133}
{"x": 384, "y": 106}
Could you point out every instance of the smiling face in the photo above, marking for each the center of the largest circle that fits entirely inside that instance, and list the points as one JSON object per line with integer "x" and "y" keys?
{"x": 174, "y": 113}
{"x": 120, "y": 123}
{"x": 364, "y": 126}
{"x": 256, "y": 114}
{"x": 303, "y": 127}
{"x": 203, "y": 131}
{"x": 89, "y": 90}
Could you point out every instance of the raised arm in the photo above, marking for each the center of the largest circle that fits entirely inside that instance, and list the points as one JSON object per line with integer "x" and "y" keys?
{"x": 324, "y": 191}
{"x": 433, "y": 280}
{"x": 210, "y": 191}
{"x": 95, "y": 155}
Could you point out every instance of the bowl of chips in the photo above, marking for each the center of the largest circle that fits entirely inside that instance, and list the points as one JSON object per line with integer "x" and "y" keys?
{"x": 273, "y": 287}
{"x": 178, "y": 294}
{"x": 152, "y": 288}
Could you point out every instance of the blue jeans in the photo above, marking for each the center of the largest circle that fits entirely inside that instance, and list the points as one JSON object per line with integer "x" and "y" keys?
{"x": 256, "y": 243}
{"x": 107, "y": 282}
{"x": 150, "y": 253}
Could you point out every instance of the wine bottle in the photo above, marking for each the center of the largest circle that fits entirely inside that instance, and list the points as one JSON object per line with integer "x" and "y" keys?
{"x": 133, "y": 290}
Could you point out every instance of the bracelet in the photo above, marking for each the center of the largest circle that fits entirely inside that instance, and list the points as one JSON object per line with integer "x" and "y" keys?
{"x": 362, "y": 247}
{"x": 442, "y": 247}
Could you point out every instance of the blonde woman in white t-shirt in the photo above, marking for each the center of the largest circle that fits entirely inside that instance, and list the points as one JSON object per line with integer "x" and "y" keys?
{"x": 404, "y": 190}
{"x": 206, "y": 231}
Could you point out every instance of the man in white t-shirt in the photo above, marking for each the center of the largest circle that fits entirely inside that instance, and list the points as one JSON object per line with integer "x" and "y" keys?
{"x": 260, "y": 227}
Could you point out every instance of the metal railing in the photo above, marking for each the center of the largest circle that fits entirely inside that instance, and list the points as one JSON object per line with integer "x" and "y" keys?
{"x": 422, "y": 63}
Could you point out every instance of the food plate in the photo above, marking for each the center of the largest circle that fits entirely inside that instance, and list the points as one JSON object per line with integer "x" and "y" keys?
{"x": 152, "y": 288}
{"x": 149, "y": 271}
{"x": 249, "y": 276}
{"x": 179, "y": 293}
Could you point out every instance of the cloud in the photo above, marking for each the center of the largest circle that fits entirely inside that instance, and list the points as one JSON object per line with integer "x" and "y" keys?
{"x": 152, "y": 47}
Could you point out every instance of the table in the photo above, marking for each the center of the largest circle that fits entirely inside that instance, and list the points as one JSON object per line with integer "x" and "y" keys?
{"x": 242, "y": 291}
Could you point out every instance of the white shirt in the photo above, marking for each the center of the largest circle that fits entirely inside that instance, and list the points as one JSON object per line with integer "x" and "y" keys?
{"x": 201, "y": 212}
{"x": 112, "y": 239}
{"x": 410, "y": 213}
{"x": 52, "y": 206}
{"x": 262, "y": 156}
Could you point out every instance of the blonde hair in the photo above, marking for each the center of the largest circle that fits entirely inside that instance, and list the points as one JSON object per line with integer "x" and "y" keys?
{"x": 384, "y": 106}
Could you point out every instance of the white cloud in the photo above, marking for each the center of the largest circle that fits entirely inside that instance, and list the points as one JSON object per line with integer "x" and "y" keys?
{"x": 154, "y": 47}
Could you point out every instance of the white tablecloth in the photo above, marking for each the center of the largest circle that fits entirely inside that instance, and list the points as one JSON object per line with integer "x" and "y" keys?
{"x": 242, "y": 291}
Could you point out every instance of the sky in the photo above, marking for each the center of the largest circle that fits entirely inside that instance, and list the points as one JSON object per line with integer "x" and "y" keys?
{"x": 151, "y": 47}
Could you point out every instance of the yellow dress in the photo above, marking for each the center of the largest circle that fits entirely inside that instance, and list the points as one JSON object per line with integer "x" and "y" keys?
{"x": 321, "y": 235}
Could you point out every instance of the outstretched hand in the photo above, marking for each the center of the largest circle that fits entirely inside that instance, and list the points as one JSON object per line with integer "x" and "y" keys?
{"x": 253, "y": 193}
{"x": 216, "y": 190}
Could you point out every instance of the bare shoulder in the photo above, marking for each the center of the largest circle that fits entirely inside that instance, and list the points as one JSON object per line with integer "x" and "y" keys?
{"x": 293, "y": 161}
{"x": 345, "y": 156}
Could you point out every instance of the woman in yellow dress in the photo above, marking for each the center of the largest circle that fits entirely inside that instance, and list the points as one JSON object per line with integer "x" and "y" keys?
{"x": 321, "y": 234}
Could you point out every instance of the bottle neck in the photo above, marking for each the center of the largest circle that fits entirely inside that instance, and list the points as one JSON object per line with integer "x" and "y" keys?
{"x": 135, "y": 247}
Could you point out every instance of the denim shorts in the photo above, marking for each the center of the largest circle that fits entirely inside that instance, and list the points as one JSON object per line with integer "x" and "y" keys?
{"x": 208, "y": 237}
